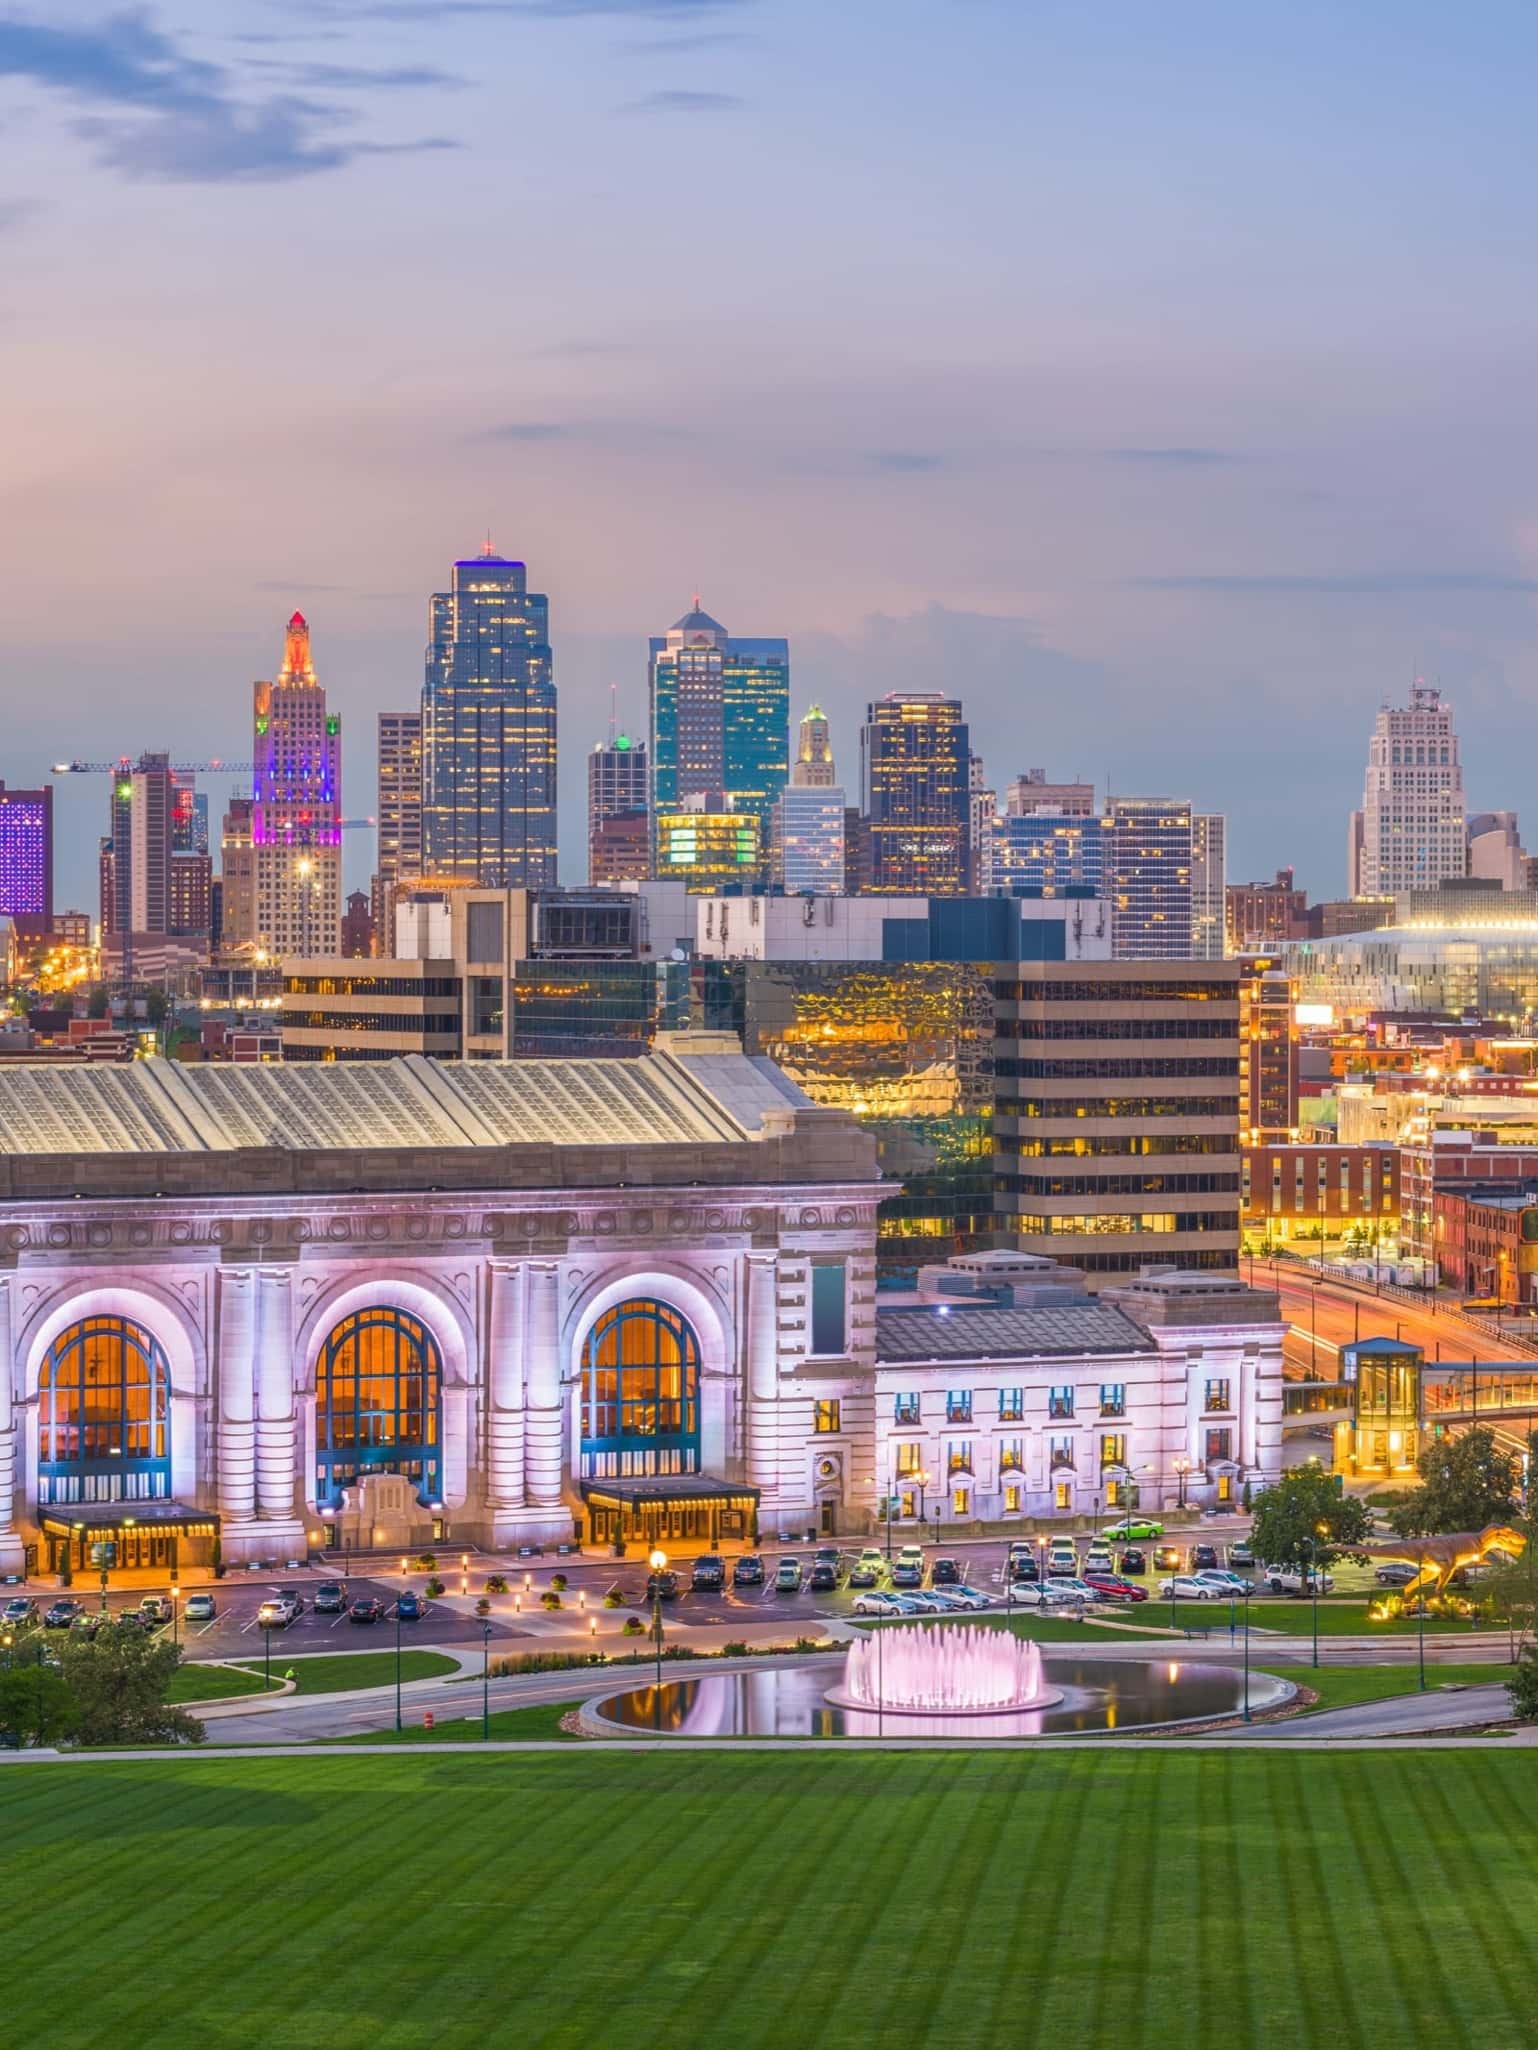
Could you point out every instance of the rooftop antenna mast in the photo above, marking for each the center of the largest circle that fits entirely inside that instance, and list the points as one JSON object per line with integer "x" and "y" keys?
{"x": 613, "y": 728}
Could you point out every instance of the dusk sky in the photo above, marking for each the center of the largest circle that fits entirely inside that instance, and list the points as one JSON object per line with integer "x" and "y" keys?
{"x": 1159, "y": 380}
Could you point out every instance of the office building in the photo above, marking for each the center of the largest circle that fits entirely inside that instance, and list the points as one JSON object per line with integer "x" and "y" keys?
{"x": 282, "y": 857}
{"x": 720, "y": 720}
{"x": 618, "y": 789}
{"x": 1411, "y": 832}
{"x": 1148, "y": 878}
{"x": 982, "y": 803}
{"x": 1322, "y": 1193}
{"x": 335, "y": 1009}
{"x": 1117, "y": 1116}
{"x": 1260, "y": 916}
{"x": 807, "y": 823}
{"x": 359, "y": 932}
{"x": 1268, "y": 1052}
{"x": 489, "y": 730}
{"x": 1209, "y": 836}
{"x": 189, "y": 815}
{"x": 708, "y": 849}
{"x": 191, "y": 900}
{"x": 26, "y": 853}
{"x": 1049, "y": 854}
{"x": 1032, "y": 792}
{"x": 1496, "y": 853}
{"x": 915, "y": 786}
{"x": 399, "y": 758}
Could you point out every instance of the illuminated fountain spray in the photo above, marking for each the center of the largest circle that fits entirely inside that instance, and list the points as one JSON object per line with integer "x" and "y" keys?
{"x": 945, "y": 1669}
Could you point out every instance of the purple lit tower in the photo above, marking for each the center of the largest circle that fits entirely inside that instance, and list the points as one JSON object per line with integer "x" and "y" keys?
{"x": 26, "y": 854}
{"x": 296, "y": 814}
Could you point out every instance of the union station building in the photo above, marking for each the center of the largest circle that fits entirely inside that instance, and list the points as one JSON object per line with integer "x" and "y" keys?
{"x": 276, "y": 1310}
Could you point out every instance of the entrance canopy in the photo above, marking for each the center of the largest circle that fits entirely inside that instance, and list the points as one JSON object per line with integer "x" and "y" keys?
{"x": 98, "y": 1520}
{"x": 678, "y": 1505}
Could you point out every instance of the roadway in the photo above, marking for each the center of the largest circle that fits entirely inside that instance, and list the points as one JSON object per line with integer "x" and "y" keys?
{"x": 1323, "y": 1314}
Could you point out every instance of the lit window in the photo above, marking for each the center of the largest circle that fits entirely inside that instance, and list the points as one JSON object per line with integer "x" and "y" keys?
{"x": 827, "y": 1417}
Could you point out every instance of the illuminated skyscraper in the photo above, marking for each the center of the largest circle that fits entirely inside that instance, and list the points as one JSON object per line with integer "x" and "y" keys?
{"x": 813, "y": 768}
{"x": 295, "y": 854}
{"x": 915, "y": 775}
{"x": 807, "y": 823}
{"x": 1412, "y": 832}
{"x": 399, "y": 812}
{"x": 1209, "y": 880}
{"x": 720, "y": 718}
{"x": 1148, "y": 878}
{"x": 489, "y": 730}
{"x": 617, "y": 789}
{"x": 26, "y": 853}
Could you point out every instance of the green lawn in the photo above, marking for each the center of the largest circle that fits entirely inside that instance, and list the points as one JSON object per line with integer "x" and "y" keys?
{"x": 1136, "y": 1899}
{"x": 1345, "y": 1686}
{"x": 1337, "y": 1618}
{"x": 213, "y": 1683}
{"x": 341, "y": 1672}
{"x": 535, "y": 1724}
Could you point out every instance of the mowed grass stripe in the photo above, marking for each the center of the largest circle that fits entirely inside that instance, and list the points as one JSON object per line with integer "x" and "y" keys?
{"x": 1359, "y": 1868}
{"x": 1310, "y": 2010}
{"x": 1018, "y": 1857}
{"x": 1412, "y": 1928}
{"x": 1496, "y": 1940}
{"x": 1053, "y": 1990}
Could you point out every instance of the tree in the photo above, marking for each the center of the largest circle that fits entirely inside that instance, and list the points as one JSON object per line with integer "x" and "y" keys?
{"x": 99, "y": 1002}
{"x": 119, "y": 1680}
{"x": 1522, "y": 1687}
{"x": 36, "y": 1706}
{"x": 1303, "y": 1519}
{"x": 1466, "y": 1483}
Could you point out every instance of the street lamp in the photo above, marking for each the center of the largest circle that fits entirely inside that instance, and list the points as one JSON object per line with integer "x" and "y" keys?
{"x": 398, "y": 1723}
{"x": 175, "y": 1593}
{"x": 1313, "y": 1580}
{"x": 266, "y": 1658}
{"x": 658, "y": 1563}
{"x": 921, "y": 1479}
{"x": 486, "y": 1681}
{"x": 1182, "y": 1469}
{"x": 1420, "y": 1605}
{"x": 1247, "y": 1715}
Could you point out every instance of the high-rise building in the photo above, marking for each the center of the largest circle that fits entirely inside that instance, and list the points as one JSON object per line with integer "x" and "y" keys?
{"x": 1263, "y": 915}
{"x": 1496, "y": 853}
{"x": 1032, "y": 792}
{"x": 136, "y": 857}
{"x": 982, "y": 803}
{"x": 358, "y": 930}
{"x": 1268, "y": 1051}
{"x": 620, "y": 849}
{"x": 720, "y": 718}
{"x": 293, "y": 902}
{"x": 189, "y": 816}
{"x": 1209, "y": 837}
{"x": 708, "y": 850}
{"x": 1116, "y": 1124}
{"x": 489, "y": 729}
{"x": 26, "y": 853}
{"x": 1148, "y": 878}
{"x": 1411, "y": 832}
{"x": 235, "y": 918}
{"x": 618, "y": 787}
{"x": 399, "y": 743}
{"x": 191, "y": 897}
{"x": 1049, "y": 854}
{"x": 915, "y": 783}
{"x": 806, "y": 856}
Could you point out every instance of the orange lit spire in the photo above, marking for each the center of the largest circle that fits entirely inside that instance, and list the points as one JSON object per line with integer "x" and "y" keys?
{"x": 297, "y": 666}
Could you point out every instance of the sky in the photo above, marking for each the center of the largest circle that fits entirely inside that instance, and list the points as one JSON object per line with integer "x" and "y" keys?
{"x": 1160, "y": 381}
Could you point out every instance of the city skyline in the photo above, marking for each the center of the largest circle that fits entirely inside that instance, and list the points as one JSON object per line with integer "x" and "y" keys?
{"x": 1202, "y": 437}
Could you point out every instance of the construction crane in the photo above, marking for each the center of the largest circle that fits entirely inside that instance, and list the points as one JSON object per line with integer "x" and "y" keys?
{"x": 124, "y": 766}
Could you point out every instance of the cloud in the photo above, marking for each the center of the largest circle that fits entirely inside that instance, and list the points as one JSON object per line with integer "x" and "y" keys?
{"x": 527, "y": 430}
{"x": 1366, "y": 584}
{"x": 1173, "y": 458}
{"x": 685, "y": 45}
{"x": 677, "y": 100}
{"x": 547, "y": 10}
{"x": 903, "y": 461}
{"x": 174, "y": 116}
{"x": 356, "y": 78}
{"x": 296, "y": 589}
{"x": 15, "y": 213}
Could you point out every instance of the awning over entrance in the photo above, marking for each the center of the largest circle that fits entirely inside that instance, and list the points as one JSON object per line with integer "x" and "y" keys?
{"x": 98, "y": 1520}
{"x": 675, "y": 1505}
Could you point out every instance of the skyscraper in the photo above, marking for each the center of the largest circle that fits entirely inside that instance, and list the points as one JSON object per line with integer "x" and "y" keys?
{"x": 1411, "y": 832}
{"x": 1148, "y": 878}
{"x": 720, "y": 719}
{"x": 617, "y": 789}
{"x": 807, "y": 823}
{"x": 489, "y": 730}
{"x": 296, "y": 814}
{"x": 26, "y": 853}
{"x": 915, "y": 779}
{"x": 136, "y": 856}
{"x": 1209, "y": 877}
{"x": 399, "y": 812}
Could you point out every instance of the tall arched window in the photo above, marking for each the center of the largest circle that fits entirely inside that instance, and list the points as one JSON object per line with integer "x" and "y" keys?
{"x": 640, "y": 1393}
{"x": 104, "y": 1415}
{"x": 378, "y": 1395}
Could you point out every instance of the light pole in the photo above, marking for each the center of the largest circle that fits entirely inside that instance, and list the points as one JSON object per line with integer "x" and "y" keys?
{"x": 175, "y": 1592}
{"x": 486, "y": 1682}
{"x": 1247, "y": 1716}
{"x": 266, "y": 1658}
{"x": 1420, "y": 1605}
{"x": 1313, "y": 1582}
{"x": 398, "y": 1724}
{"x": 658, "y": 1563}
{"x": 922, "y": 1480}
{"x": 1182, "y": 1469}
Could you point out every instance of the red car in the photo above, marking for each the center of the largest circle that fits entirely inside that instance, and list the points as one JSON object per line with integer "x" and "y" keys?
{"x": 1112, "y": 1588}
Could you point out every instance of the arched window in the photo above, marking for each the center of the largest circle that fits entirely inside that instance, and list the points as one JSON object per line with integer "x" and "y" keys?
{"x": 104, "y": 1415}
{"x": 640, "y": 1393}
{"x": 378, "y": 1393}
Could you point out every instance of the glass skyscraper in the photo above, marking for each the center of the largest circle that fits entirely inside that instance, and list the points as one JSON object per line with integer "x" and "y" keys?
{"x": 488, "y": 730}
{"x": 720, "y": 719}
{"x": 915, "y": 774}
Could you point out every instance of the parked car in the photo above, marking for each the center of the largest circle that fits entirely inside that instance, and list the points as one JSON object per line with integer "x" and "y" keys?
{"x": 278, "y": 1611}
{"x": 1185, "y": 1587}
{"x": 1132, "y": 1527}
{"x": 19, "y": 1613}
{"x": 1022, "y": 1563}
{"x": 86, "y": 1624}
{"x": 1233, "y": 1584}
{"x": 368, "y": 1608}
{"x": 1241, "y": 1554}
{"x": 662, "y": 1587}
{"x": 709, "y": 1575}
{"x": 292, "y": 1594}
{"x": 60, "y": 1615}
{"x": 154, "y": 1610}
{"x": 968, "y": 1599}
{"x": 1073, "y": 1587}
{"x": 945, "y": 1573}
{"x": 1133, "y": 1561}
{"x": 1397, "y": 1573}
{"x": 922, "y": 1601}
{"x": 827, "y": 1555}
{"x": 1166, "y": 1558}
{"x": 1098, "y": 1559}
{"x": 787, "y": 1578}
{"x": 1062, "y": 1556}
{"x": 1041, "y": 1594}
{"x": 1295, "y": 1580}
{"x": 823, "y": 1577}
{"x": 331, "y": 1598}
{"x": 410, "y": 1606}
{"x": 748, "y": 1571}
{"x": 200, "y": 1608}
{"x": 1203, "y": 1558}
{"x": 868, "y": 1568}
{"x": 909, "y": 1570}
{"x": 1110, "y": 1587}
{"x": 877, "y": 1602}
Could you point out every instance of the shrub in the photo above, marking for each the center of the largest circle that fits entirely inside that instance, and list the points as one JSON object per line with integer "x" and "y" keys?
{"x": 1522, "y": 1687}
{"x": 613, "y": 1601}
{"x": 424, "y": 1562}
{"x": 735, "y": 1649}
{"x": 483, "y": 1607}
{"x": 496, "y": 1583}
{"x": 634, "y": 1627}
{"x": 558, "y": 1582}
{"x": 550, "y": 1599}
{"x": 434, "y": 1588}
{"x": 543, "y": 1662}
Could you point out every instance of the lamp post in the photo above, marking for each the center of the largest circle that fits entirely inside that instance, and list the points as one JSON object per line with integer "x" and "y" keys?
{"x": 175, "y": 1593}
{"x": 266, "y": 1658}
{"x": 1247, "y": 1716}
{"x": 1313, "y": 1582}
{"x": 1420, "y": 1605}
{"x": 921, "y": 1480}
{"x": 658, "y": 1563}
{"x": 486, "y": 1681}
{"x": 1182, "y": 1470}
{"x": 398, "y": 1724}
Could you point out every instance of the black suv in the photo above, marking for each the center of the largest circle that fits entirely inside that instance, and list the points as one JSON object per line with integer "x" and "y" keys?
{"x": 823, "y": 1577}
{"x": 945, "y": 1573}
{"x": 1203, "y": 1558}
{"x": 709, "y": 1574}
{"x": 748, "y": 1571}
{"x": 661, "y": 1586}
{"x": 331, "y": 1598}
{"x": 1132, "y": 1561}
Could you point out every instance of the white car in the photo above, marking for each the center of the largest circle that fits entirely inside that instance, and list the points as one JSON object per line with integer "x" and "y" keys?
{"x": 1232, "y": 1584}
{"x": 879, "y": 1603}
{"x": 1099, "y": 1560}
{"x": 1073, "y": 1589}
{"x": 965, "y": 1599}
{"x": 1062, "y": 1556}
{"x": 1039, "y": 1594}
{"x": 1185, "y": 1587}
{"x": 1294, "y": 1580}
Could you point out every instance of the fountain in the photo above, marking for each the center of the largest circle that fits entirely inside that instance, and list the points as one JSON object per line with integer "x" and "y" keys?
{"x": 943, "y": 1670}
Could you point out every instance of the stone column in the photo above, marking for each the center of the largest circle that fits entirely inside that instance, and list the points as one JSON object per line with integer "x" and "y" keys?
{"x": 11, "y": 1552}
{"x": 275, "y": 1396}
{"x": 237, "y": 1389}
{"x": 504, "y": 1383}
{"x": 542, "y": 1360}
{"x": 761, "y": 1361}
